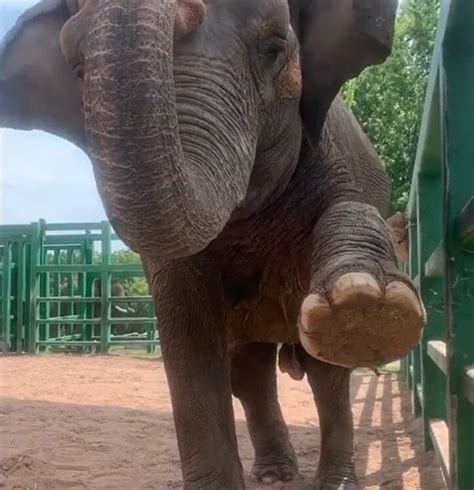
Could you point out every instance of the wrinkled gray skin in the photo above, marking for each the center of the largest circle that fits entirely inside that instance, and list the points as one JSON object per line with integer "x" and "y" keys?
{"x": 241, "y": 194}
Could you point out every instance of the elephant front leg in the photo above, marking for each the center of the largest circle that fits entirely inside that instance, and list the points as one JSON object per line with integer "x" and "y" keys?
{"x": 254, "y": 384}
{"x": 193, "y": 341}
{"x": 362, "y": 311}
{"x": 331, "y": 389}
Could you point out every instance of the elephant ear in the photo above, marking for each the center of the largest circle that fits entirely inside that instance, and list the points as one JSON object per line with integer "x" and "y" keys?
{"x": 338, "y": 39}
{"x": 38, "y": 89}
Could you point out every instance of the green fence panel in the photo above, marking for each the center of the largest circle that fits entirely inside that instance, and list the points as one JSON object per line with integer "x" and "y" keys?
{"x": 47, "y": 292}
{"x": 440, "y": 371}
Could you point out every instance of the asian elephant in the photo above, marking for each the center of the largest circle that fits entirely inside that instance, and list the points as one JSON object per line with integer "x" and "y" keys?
{"x": 224, "y": 157}
{"x": 118, "y": 309}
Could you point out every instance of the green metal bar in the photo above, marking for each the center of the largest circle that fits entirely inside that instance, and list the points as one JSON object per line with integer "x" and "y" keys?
{"x": 6, "y": 301}
{"x": 21, "y": 294}
{"x": 433, "y": 382}
{"x": 26, "y": 303}
{"x": 122, "y": 299}
{"x": 35, "y": 255}
{"x": 81, "y": 307}
{"x": 71, "y": 343}
{"x": 56, "y": 290}
{"x": 15, "y": 230}
{"x": 413, "y": 365}
{"x": 91, "y": 268}
{"x": 78, "y": 343}
{"x": 78, "y": 299}
{"x": 72, "y": 226}
{"x": 416, "y": 266}
{"x": 128, "y": 299}
{"x": 42, "y": 327}
{"x": 70, "y": 287}
{"x": 69, "y": 321}
{"x": 132, "y": 320}
{"x": 106, "y": 287}
{"x": 458, "y": 174}
{"x": 88, "y": 329}
{"x": 59, "y": 241}
{"x": 135, "y": 342}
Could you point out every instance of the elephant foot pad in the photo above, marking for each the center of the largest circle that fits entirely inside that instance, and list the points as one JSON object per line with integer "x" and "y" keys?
{"x": 361, "y": 324}
{"x": 273, "y": 468}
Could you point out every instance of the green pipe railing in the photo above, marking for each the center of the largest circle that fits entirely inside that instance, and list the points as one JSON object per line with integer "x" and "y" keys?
{"x": 440, "y": 371}
{"x": 47, "y": 277}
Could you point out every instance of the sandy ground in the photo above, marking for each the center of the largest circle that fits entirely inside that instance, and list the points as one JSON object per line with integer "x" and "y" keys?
{"x": 69, "y": 422}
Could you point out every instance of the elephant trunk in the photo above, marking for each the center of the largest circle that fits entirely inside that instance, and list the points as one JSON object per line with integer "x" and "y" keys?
{"x": 157, "y": 199}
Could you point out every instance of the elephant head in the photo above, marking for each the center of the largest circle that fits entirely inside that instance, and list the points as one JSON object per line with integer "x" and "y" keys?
{"x": 189, "y": 110}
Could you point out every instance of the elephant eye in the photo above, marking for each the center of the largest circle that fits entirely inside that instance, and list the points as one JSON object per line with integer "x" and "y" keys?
{"x": 79, "y": 71}
{"x": 271, "y": 47}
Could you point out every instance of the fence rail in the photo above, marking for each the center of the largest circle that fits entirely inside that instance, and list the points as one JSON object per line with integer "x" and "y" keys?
{"x": 440, "y": 371}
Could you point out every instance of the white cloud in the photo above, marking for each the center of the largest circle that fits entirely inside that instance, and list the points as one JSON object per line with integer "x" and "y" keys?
{"x": 46, "y": 177}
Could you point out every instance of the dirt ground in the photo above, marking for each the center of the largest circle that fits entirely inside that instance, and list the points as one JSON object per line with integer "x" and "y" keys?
{"x": 69, "y": 422}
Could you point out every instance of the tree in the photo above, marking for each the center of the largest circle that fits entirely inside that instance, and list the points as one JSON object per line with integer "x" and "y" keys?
{"x": 388, "y": 99}
{"x": 134, "y": 286}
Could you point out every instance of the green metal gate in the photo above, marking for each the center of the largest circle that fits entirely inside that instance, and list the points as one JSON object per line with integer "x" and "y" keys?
{"x": 39, "y": 263}
{"x": 15, "y": 262}
{"x": 440, "y": 371}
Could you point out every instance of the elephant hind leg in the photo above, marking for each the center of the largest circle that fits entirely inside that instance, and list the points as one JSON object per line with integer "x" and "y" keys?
{"x": 331, "y": 390}
{"x": 254, "y": 384}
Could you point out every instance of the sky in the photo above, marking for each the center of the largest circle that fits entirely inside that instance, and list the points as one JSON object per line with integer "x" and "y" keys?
{"x": 41, "y": 175}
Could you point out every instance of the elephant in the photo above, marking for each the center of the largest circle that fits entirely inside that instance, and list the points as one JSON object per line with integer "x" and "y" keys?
{"x": 118, "y": 310}
{"x": 225, "y": 157}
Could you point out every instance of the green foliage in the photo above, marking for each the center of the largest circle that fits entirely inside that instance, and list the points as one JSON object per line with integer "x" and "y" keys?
{"x": 125, "y": 256}
{"x": 136, "y": 286}
{"x": 388, "y": 99}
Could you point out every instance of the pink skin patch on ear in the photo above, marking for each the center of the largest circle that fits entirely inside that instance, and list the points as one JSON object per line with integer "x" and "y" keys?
{"x": 290, "y": 82}
{"x": 398, "y": 226}
{"x": 189, "y": 15}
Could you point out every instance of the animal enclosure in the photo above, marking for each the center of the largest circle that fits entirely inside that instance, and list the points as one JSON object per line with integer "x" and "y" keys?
{"x": 50, "y": 269}
{"x": 83, "y": 427}
{"x": 50, "y": 297}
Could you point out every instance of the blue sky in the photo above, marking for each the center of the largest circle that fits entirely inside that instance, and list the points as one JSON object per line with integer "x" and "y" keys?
{"x": 42, "y": 176}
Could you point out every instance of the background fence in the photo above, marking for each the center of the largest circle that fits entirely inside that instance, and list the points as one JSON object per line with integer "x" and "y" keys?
{"x": 59, "y": 286}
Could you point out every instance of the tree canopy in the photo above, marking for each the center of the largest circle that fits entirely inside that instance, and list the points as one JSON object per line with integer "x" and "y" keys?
{"x": 388, "y": 99}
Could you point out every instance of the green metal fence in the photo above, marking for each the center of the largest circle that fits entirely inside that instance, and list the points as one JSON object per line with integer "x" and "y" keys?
{"x": 47, "y": 291}
{"x": 14, "y": 270}
{"x": 440, "y": 371}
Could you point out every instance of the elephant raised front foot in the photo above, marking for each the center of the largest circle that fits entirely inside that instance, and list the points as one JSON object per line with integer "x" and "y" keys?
{"x": 361, "y": 311}
{"x": 375, "y": 322}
